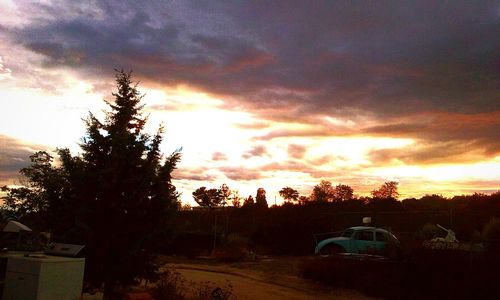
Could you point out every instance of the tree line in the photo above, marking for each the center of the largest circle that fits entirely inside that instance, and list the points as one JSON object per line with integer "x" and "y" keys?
{"x": 322, "y": 192}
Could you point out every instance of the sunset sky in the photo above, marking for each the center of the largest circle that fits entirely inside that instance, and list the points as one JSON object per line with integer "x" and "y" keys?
{"x": 268, "y": 93}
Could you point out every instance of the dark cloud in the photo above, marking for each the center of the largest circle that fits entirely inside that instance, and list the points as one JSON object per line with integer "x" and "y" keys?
{"x": 326, "y": 159}
{"x": 296, "y": 151}
{"x": 256, "y": 151}
{"x": 218, "y": 156}
{"x": 240, "y": 173}
{"x": 327, "y": 57}
{"x": 425, "y": 70}
{"x": 14, "y": 155}
{"x": 311, "y": 131}
{"x": 442, "y": 137}
{"x": 435, "y": 153}
{"x": 257, "y": 125}
{"x": 194, "y": 174}
{"x": 306, "y": 167}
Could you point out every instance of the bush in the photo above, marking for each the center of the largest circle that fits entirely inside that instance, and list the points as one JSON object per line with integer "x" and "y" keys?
{"x": 235, "y": 248}
{"x": 209, "y": 291}
{"x": 171, "y": 285}
{"x": 491, "y": 234}
{"x": 370, "y": 277}
{"x": 441, "y": 274}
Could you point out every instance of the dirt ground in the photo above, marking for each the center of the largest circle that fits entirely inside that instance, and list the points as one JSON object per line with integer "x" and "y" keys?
{"x": 267, "y": 278}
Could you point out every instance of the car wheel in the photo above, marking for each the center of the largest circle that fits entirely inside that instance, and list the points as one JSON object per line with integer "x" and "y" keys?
{"x": 331, "y": 249}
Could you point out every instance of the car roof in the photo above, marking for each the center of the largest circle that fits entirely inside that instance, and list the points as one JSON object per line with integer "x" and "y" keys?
{"x": 362, "y": 227}
{"x": 367, "y": 228}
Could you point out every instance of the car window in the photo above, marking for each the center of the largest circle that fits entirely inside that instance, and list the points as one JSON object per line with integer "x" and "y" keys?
{"x": 347, "y": 233}
{"x": 380, "y": 236}
{"x": 364, "y": 235}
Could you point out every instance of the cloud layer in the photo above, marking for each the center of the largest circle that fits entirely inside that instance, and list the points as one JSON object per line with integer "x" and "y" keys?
{"x": 14, "y": 155}
{"x": 424, "y": 71}
{"x": 330, "y": 57}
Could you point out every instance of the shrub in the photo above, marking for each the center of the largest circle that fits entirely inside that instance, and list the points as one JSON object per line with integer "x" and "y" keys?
{"x": 491, "y": 234}
{"x": 235, "y": 248}
{"x": 428, "y": 274}
{"x": 170, "y": 285}
{"x": 209, "y": 291}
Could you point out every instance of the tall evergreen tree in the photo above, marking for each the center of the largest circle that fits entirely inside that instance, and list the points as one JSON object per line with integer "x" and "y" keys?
{"x": 113, "y": 197}
{"x": 260, "y": 198}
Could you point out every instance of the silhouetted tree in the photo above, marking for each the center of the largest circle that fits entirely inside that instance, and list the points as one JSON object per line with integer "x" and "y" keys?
{"x": 113, "y": 198}
{"x": 342, "y": 192}
{"x": 208, "y": 197}
{"x": 249, "y": 202}
{"x": 42, "y": 186}
{"x": 289, "y": 194}
{"x": 212, "y": 197}
{"x": 225, "y": 192}
{"x": 303, "y": 200}
{"x": 491, "y": 234}
{"x": 322, "y": 192}
{"x": 260, "y": 198}
{"x": 235, "y": 198}
{"x": 387, "y": 190}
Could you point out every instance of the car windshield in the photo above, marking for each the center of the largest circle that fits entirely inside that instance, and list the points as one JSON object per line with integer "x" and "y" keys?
{"x": 347, "y": 233}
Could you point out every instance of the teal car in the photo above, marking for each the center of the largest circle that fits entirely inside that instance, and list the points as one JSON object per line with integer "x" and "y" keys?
{"x": 359, "y": 240}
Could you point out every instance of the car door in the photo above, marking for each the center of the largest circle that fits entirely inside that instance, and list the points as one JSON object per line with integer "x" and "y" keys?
{"x": 381, "y": 239}
{"x": 364, "y": 241}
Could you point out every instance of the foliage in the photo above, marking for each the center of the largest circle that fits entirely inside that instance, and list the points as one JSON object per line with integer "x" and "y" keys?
{"x": 172, "y": 285}
{"x": 325, "y": 192}
{"x": 289, "y": 194}
{"x": 210, "y": 291}
{"x": 260, "y": 198}
{"x": 208, "y": 197}
{"x": 212, "y": 197}
{"x": 235, "y": 198}
{"x": 113, "y": 198}
{"x": 303, "y": 199}
{"x": 225, "y": 193}
{"x": 249, "y": 202}
{"x": 491, "y": 234}
{"x": 322, "y": 192}
{"x": 492, "y": 229}
{"x": 427, "y": 275}
{"x": 343, "y": 192}
{"x": 387, "y": 190}
{"x": 186, "y": 206}
{"x": 234, "y": 248}
{"x": 42, "y": 187}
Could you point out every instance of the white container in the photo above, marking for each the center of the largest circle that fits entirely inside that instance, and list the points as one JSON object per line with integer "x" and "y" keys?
{"x": 43, "y": 278}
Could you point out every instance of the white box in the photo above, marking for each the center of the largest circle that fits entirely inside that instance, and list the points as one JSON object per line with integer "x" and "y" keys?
{"x": 43, "y": 278}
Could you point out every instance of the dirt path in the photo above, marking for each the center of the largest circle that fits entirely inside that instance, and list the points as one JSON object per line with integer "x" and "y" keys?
{"x": 253, "y": 284}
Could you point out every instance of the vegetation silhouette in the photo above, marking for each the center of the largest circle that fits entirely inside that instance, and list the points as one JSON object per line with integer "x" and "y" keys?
{"x": 260, "y": 198}
{"x": 114, "y": 197}
{"x": 289, "y": 194}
